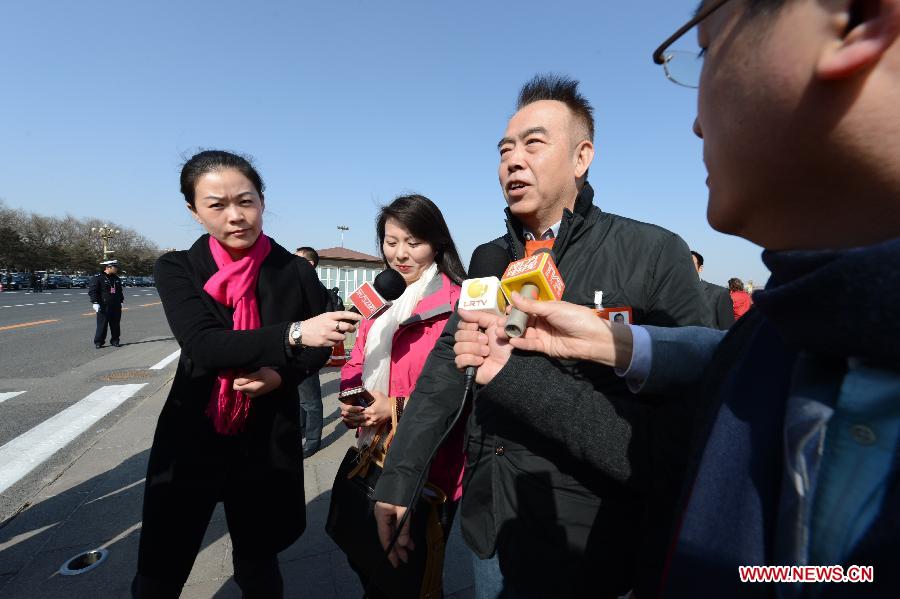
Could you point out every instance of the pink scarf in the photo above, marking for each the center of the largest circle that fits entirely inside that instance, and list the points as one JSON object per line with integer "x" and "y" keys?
{"x": 234, "y": 285}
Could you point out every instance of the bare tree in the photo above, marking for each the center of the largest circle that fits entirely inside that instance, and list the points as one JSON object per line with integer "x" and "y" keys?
{"x": 31, "y": 241}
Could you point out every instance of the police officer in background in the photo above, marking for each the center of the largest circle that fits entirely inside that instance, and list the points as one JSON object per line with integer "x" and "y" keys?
{"x": 106, "y": 295}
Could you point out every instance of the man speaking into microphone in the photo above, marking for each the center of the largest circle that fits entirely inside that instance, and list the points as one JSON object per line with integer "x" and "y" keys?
{"x": 557, "y": 522}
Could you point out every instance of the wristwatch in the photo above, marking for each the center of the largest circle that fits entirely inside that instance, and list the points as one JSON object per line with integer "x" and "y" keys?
{"x": 295, "y": 335}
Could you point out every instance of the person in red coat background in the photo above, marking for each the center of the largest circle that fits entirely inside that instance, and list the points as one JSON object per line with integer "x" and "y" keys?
{"x": 740, "y": 298}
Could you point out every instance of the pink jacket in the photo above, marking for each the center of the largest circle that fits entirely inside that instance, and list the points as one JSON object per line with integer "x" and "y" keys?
{"x": 413, "y": 341}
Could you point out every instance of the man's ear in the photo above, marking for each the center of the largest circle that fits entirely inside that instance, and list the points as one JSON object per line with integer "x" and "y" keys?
{"x": 864, "y": 29}
{"x": 584, "y": 155}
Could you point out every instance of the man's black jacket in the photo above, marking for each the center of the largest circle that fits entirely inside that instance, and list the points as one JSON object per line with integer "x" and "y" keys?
{"x": 556, "y": 482}
{"x": 106, "y": 290}
{"x": 720, "y": 308}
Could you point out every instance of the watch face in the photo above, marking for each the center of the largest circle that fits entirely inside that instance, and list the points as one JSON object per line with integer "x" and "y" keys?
{"x": 295, "y": 333}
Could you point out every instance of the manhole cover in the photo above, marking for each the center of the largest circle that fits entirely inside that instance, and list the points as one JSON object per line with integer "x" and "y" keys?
{"x": 124, "y": 375}
{"x": 83, "y": 562}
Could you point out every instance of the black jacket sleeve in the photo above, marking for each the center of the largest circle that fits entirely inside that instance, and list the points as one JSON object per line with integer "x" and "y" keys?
{"x": 203, "y": 337}
{"x": 436, "y": 399}
{"x": 308, "y": 360}
{"x": 94, "y": 290}
{"x": 672, "y": 288}
{"x": 724, "y": 310}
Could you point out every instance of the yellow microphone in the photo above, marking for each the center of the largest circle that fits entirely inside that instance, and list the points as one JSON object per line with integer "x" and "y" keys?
{"x": 535, "y": 277}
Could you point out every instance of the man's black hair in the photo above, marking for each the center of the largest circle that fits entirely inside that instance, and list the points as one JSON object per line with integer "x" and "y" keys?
{"x": 308, "y": 253}
{"x": 562, "y": 89}
{"x": 698, "y": 257}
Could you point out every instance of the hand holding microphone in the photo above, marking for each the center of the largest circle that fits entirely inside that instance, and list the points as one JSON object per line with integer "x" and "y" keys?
{"x": 371, "y": 299}
{"x": 481, "y": 348}
{"x": 484, "y": 339}
{"x": 482, "y": 304}
{"x": 534, "y": 278}
{"x": 569, "y": 331}
{"x": 327, "y": 329}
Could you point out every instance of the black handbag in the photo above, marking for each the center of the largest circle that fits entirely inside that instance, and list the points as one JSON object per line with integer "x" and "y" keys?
{"x": 351, "y": 524}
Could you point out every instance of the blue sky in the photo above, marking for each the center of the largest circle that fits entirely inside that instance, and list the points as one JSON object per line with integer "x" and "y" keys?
{"x": 344, "y": 105}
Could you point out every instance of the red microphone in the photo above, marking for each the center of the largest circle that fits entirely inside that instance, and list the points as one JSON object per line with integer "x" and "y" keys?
{"x": 371, "y": 299}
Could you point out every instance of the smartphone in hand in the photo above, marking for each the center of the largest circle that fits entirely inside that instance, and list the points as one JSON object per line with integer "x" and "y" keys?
{"x": 356, "y": 396}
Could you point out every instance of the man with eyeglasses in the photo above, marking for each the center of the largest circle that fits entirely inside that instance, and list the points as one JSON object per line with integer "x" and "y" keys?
{"x": 797, "y": 449}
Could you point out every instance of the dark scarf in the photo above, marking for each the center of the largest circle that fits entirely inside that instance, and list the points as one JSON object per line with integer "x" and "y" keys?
{"x": 832, "y": 304}
{"x": 836, "y": 303}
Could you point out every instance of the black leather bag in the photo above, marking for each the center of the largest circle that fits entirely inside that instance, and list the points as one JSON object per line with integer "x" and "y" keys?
{"x": 351, "y": 524}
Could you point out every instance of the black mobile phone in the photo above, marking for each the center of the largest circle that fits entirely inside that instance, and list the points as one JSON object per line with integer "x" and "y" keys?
{"x": 357, "y": 395}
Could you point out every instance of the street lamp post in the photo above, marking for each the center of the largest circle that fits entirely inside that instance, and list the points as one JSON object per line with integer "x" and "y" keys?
{"x": 342, "y": 228}
{"x": 106, "y": 233}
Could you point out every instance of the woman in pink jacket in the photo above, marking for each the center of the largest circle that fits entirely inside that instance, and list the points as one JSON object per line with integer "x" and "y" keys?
{"x": 391, "y": 350}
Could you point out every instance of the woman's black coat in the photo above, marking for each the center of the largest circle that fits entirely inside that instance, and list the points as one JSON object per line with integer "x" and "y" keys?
{"x": 264, "y": 462}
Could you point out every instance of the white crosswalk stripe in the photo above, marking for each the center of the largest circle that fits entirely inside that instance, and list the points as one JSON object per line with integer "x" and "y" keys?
{"x": 29, "y": 450}
{"x": 166, "y": 361}
{"x": 9, "y": 395}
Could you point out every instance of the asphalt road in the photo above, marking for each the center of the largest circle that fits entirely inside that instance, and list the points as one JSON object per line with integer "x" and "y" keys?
{"x": 57, "y": 392}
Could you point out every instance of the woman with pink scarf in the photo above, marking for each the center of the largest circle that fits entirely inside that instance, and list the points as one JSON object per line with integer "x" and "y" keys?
{"x": 248, "y": 317}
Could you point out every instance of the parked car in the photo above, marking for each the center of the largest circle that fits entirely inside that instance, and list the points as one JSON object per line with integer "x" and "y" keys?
{"x": 12, "y": 282}
{"x": 80, "y": 282}
{"x": 57, "y": 282}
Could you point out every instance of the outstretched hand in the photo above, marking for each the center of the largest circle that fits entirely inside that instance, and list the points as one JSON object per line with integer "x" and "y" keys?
{"x": 568, "y": 331}
{"x": 328, "y": 329}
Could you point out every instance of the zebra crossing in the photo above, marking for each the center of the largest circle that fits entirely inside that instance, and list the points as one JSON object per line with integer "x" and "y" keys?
{"x": 26, "y": 452}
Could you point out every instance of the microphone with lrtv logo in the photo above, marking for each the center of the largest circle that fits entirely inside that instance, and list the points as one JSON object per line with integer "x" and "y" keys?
{"x": 482, "y": 292}
{"x": 371, "y": 299}
{"x": 535, "y": 277}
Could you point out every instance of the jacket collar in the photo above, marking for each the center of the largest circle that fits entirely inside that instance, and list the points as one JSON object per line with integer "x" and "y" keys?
{"x": 204, "y": 267}
{"x": 439, "y": 297}
{"x": 571, "y": 226}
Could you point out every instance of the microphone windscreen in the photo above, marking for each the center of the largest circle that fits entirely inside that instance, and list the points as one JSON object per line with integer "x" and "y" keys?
{"x": 389, "y": 284}
{"x": 488, "y": 260}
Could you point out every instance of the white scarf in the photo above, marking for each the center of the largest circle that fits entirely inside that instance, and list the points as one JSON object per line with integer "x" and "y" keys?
{"x": 377, "y": 361}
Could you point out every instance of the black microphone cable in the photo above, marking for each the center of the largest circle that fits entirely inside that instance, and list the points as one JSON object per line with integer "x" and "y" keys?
{"x": 490, "y": 260}
{"x": 420, "y": 482}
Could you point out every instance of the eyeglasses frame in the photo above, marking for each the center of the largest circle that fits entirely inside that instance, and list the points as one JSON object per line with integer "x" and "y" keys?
{"x": 701, "y": 14}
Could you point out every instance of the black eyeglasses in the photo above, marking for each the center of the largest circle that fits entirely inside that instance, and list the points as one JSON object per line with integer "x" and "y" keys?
{"x": 681, "y": 67}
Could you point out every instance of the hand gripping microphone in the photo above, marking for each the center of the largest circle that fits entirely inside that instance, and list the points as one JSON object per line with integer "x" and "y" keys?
{"x": 483, "y": 292}
{"x": 371, "y": 299}
{"x": 535, "y": 277}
